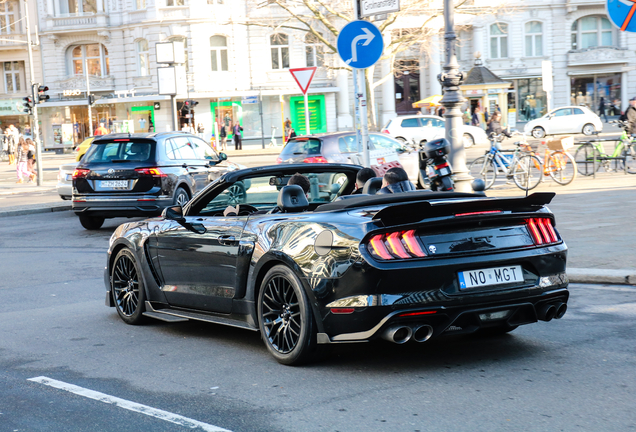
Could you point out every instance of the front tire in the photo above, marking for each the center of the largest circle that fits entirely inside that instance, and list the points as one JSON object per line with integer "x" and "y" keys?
{"x": 527, "y": 173}
{"x": 127, "y": 288}
{"x": 584, "y": 158}
{"x": 236, "y": 194}
{"x": 285, "y": 317}
{"x": 469, "y": 141}
{"x": 91, "y": 222}
{"x": 484, "y": 168}
{"x": 538, "y": 132}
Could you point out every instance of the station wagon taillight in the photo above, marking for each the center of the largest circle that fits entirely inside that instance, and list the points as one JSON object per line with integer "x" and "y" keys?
{"x": 153, "y": 172}
{"x": 542, "y": 231}
{"x": 315, "y": 159}
{"x": 396, "y": 245}
{"x": 80, "y": 173}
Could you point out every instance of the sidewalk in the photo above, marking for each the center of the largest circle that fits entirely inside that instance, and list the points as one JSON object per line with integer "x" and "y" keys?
{"x": 594, "y": 216}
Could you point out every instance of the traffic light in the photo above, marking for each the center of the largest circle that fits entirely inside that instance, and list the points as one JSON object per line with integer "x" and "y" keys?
{"x": 40, "y": 93}
{"x": 91, "y": 99}
{"x": 28, "y": 105}
{"x": 189, "y": 104}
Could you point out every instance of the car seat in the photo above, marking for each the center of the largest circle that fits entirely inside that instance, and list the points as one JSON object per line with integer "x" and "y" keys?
{"x": 372, "y": 186}
{"x": 292, "y": 199}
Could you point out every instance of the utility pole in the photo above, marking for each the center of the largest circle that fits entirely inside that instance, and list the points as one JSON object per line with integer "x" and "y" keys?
{"x": 36, "y": 125}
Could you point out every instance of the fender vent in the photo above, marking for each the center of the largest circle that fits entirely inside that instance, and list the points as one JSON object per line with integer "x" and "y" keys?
{"x": 151, "y": 265}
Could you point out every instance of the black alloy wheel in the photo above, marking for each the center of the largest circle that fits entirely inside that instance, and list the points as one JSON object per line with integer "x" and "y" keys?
{"x": 181, "y": 197}
{"x": 91, "y": 222}
{"x": 127, "y": 288}
{"x": 285, "y": 317}
{"x": 236, "y": 194}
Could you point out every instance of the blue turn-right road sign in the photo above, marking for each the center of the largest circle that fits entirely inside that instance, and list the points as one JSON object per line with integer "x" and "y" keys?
{"x": 622, "y": 14}
{"x": 360, "y": 44}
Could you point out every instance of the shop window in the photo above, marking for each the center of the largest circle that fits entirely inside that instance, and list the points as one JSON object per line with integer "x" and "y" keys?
{"x": 314, "y": 53}
{"x": 218, "y": 53}
{"x": 78, "y": 7}
{"x": 499, "y": 40}
{"x": 591, "y": 31}
{"x": 142, "y": 57}
{"x": 93, "y": 56}
{"x": 13, "y": 72}
{"x": 170, "y": 3}
{"x": 534, "y": 39}
{"x": 280, "y": 50}
{"x": 9, "y": 13}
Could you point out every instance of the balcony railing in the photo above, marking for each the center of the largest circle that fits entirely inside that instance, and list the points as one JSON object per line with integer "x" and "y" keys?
{"x": 78, "y": 82}
{"x": 597, "y": 55}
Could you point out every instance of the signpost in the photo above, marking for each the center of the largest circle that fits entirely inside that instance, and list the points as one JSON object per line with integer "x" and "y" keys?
{"x": 303, "y": 77}
{"x": 360, "y": 46}
{"x": 378, "y": 7}
{"x": 621, "y": 14}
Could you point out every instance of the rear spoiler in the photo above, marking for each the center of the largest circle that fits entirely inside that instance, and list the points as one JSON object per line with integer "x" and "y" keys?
{"x": 416, "y": 211}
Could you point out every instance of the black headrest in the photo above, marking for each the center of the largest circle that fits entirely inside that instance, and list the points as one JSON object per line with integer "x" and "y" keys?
{"x": 292, "y": 198}
{"x": 372, "y": 186}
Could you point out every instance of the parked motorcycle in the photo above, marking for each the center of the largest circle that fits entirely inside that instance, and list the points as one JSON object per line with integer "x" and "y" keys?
{"x": 434, "y": 165}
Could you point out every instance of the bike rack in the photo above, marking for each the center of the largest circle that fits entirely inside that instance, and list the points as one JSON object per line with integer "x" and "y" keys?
{"x": 608, "y": 158}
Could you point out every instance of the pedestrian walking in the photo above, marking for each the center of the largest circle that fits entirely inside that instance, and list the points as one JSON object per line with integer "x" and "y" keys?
{"x": 223, "y": 137}
{"x": 630, "y": 115}
{"x": 601, "y": 108}
{"x": 287, "y": 131}
{"x": 21, "y": 160}
{"x": 31, "y": 159}
{"x": 476, "y": 120}
{"x": 238, "y": 141}
{"x": 12, "y": 144}
{"x": 101, "y": 130}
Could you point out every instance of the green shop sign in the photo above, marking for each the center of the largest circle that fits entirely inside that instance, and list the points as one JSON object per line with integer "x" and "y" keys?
{"x": 317, "y": 114}
{"x": 11, "y": 107}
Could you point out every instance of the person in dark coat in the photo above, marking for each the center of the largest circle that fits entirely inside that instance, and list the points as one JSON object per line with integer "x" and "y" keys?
{"x": 396, "y": 180}
{"x": 494, "y": 127}
{"x": 601, "y": 109}
{"x": 238, "y": 140}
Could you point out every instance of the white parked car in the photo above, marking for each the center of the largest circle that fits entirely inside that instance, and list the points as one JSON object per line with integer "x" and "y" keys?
{"x": 565, "y": 120}
{"x": 423, "y": 128}
{"x": 65, "y": 180}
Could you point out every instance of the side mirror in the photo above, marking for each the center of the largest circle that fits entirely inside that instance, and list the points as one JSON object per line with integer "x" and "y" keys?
{"x": 222, "y": 156}
{"x": 174, "y": 213}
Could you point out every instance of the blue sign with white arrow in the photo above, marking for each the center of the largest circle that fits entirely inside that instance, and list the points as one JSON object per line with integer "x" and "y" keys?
{"x": 621, "y": 13}
{"x": 360, "y": 44}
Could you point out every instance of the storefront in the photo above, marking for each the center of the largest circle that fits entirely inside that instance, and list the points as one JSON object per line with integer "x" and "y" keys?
{"x": 589, "y": 89}
{"x": 11, "y": 113}
{"x": 486, "y": 91}
{"x": 532, "y": 101}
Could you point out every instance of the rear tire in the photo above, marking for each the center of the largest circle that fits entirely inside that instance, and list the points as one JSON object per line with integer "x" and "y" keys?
{"x": 483, "y": 168}
{"x": 91, "y": 222}
{"x": 285, "y": 318}
{"x": 584, "y": 158}
{"x": 630, "y": 161}
{"x": 588, "y": 129}
{"x": 561, "y": 167}
{"x": 469, "y": 141}
{"x": 527, "y": 173}
{"x": 181, "y": 197}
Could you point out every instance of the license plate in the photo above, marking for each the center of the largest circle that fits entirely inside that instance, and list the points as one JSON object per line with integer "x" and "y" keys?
{"x": 114, "y": 183}
{"x": 490, "y": 276}
{"x": 69, "y": 177}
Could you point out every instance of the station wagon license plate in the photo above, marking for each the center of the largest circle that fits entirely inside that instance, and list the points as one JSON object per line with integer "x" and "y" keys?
{"x": 491, "y": 276}
{"x": 114, "y": 183}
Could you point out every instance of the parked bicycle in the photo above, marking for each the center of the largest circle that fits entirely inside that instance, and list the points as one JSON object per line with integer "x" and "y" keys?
{"x": 590, "y": 157}
{"x": 556, "y": 162}
{"x": 521, "y": 166}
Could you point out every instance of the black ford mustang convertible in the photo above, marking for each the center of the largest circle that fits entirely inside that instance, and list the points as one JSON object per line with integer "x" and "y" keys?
{"x": 328, "y": 266}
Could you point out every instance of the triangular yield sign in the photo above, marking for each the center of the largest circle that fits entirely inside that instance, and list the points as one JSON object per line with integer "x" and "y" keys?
{"x": 303, "y": 77}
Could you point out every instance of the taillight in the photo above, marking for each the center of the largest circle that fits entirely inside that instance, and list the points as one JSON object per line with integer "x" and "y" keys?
{"x": 396, "y": 245}
{"x": 386, "y": 131}
{"x": 315, "y": 159}
{"x": 154, "y": 172}
{"x": 80, "y": 173}
{"x": 442, "y": 165}
{"x": 279, "y": 160}
{"x": 542, "y": 231}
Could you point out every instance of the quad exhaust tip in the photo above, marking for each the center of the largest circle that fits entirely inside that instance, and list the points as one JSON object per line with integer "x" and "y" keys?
{"x": 550, "y": 311}
{"x": 397, "y": 334}
{"x": 422, "y": 333}
{"x": 561, "y": 309}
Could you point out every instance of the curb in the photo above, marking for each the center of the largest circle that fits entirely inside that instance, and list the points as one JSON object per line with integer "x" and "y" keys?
{"x": 35, "y": 210}
{"x": 602, "y": 276}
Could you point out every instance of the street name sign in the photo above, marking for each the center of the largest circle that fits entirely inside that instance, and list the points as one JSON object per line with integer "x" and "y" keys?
{"x": 621, "y": 14}
{"x": 377, "y": 7}
{"x": 360, "y": 44}
{"x": 303, "y": 77}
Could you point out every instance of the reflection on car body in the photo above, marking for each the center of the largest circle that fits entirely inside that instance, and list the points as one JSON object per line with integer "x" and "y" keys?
{"x": 309, "y": 270}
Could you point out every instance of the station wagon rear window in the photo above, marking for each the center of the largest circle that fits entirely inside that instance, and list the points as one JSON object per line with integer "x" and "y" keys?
{"x": 119, "y": 151}
{"x": 302, "y": 147}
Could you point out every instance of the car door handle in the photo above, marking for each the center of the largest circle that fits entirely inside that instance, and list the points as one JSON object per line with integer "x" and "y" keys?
{"x": 226, "y": 240}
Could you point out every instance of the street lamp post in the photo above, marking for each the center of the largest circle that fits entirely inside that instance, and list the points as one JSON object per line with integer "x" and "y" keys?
{"x": 451, "y": 78}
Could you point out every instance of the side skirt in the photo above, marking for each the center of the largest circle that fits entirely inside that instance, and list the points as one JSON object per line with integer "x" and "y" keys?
{"x": 175, "y": 315}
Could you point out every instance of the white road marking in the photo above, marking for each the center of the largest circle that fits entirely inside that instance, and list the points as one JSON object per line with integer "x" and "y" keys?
{"x": 126, "y": 404}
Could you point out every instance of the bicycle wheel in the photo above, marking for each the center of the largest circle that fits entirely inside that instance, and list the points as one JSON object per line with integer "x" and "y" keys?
{"x": 527, "y": 172}
{"x": 630, "y": 159}
{"x": 584, "y": 158}
{"x": 484, "y": 168}
{"x": 561, "y": 167}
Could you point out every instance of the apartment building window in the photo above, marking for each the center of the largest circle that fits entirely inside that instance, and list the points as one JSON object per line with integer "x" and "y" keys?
{"x": 140, "y": 4}
{"x": 8, "y": 17}
{"x": 534, "y": 39}
{"x": 13, "y": 72}
{"x": 175, "y": 2}
{"x": 185, "y": 47}
{"x": 142, "y": 57}
{"x": 314, "y": 53}
{"x": 78, "y": 7}
{"x": 218, "y": 53}
{"x": 219, "y": 2}
{"x": 280, "y": 50}
{"x": 499, "y": 40}
{"x": 591, "y": 31}
{"x": 95, "y": 56}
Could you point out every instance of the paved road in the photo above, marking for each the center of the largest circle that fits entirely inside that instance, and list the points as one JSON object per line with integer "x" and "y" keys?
{"x": 573, "y": 374}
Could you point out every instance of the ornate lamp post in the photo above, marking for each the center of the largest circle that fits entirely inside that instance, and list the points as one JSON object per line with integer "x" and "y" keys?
{"x": 451, "y": 78}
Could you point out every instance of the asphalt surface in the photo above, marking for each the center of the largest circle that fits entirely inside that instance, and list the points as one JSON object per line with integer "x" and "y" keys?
{"x": 594, "y": 215}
